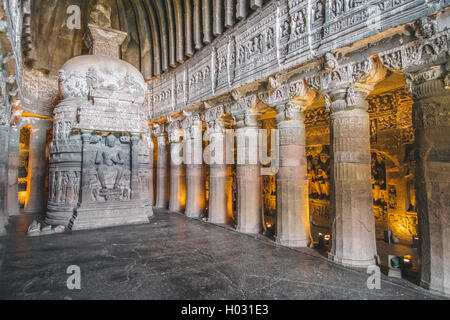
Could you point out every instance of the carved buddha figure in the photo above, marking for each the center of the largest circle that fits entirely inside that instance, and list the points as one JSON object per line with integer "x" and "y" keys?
{"x": 378, "y": 178}
{"x": 108, "y": 158}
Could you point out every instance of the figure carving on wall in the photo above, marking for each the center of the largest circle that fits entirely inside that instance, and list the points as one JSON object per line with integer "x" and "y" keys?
{"x": 269, "y": 195}
{"x": 318, "y": 11}
{"x": 410, "y": 178}
{"x": 109, "y": 158}
{"x": 299, "y": 23}
{"x": 285, "y": 28}
{"x": 337, "y": 7}
{"x": 378, "y": 179}
{"x": 392, "y": 197}
{"x": 269, "y": 39}
{"x": 355, "y": 3}
{"x": 318, "y": 174}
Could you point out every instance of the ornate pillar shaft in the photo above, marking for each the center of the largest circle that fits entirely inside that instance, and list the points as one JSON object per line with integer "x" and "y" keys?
{"x": 162, "y": 167}
{"x": 148, "y": 167}
{"x": 431, "y": 111}
{"x": 195, "y": 188}
{"x": 353, "y": 224}
{"x": 37, "y": 165}
{"x": 220, "y": 209}
{"x": 248, "y": 174}
{"x": 248, "y": 183}
{"x": 177, "y": 199}
{"x": 135, "y": 188}
{"x": 85, "y": 166}
{"x": 13, "y": 171}
{"x": 219, "y": 193}
{"x": 293, "y": 226}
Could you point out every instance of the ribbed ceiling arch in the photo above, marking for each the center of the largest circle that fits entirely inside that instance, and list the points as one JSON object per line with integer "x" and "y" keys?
{"x": 162, "y": 33}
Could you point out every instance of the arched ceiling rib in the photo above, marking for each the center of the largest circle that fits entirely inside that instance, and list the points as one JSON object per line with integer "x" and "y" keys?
{"x": 162, "y": 33}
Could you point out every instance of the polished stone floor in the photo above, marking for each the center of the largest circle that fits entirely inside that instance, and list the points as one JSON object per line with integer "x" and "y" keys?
{"x": 177, "y": 258}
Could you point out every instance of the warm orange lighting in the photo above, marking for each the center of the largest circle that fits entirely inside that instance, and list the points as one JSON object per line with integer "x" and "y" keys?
{"x": 22, "y": 195}
{"x": 407, "y": 259}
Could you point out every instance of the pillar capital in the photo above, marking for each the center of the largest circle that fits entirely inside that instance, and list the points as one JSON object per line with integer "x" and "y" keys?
{"x": 289, "y": 111}
{"x": 347, "y": 97}
{"x": 429, "y": 82}
{"x": 246, "y": 111}
{"x": 192, "y": 125}
{"x": 134, "y": 139}
{"x": 159, "y": 129}
{"x": 346, "y": 87}
{"x": 289, "y": 99}
{"x": 86, "y": 135}
{"x": 175, "y": 131}
{"x": 216, "y": 118}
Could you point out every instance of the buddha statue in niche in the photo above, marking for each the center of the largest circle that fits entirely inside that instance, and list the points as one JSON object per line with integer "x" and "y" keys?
{"x": 110, "y": 157}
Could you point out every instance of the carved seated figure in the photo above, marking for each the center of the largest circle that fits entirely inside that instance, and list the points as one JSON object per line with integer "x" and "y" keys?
{"x": 109, "y": 158}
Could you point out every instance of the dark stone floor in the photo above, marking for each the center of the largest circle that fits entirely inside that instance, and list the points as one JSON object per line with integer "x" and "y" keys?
{"x": 177, "y": 258}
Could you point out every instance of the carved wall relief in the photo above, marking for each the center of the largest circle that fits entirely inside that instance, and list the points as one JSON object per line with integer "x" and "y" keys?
{"x": 64, "y": 188}
{"x": 24, "y": 147}
{"x": 111, "y": 177}
{"x": 318, "y": 166}
{"x": 269, "y": 193}
{"x": 379, "y": 188}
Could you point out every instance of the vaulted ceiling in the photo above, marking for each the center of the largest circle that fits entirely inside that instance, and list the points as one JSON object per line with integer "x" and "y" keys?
{"x": 162, "y": 33}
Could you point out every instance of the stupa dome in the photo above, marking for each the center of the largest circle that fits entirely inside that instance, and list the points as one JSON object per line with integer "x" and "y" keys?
{"x": 82, "y": 74}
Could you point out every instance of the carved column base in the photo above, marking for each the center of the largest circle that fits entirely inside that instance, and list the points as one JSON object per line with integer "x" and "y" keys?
{"x": 177, "y": 198}
{"x": 219, "y": 194}
{"x": 162, "y": 177}
{"x": 162, "y": 201}
{"x": 249, "y": 199}
{"x": 195, "y": 191}
{"x": 293, "y": 226}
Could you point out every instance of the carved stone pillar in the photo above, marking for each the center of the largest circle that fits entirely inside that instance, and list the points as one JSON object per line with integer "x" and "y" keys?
{"x": 430, "y": 89}
{"x": 146, "y": 169}
{"x": 37, "y": 165}
{"x": 162, "y": 168}
{"x": 353, "y": 224}
{"x": 177, "y": 199}
{"x": 135, "y": 188}
{"x": 293, "y": 225}
{"x": 195, "y": 188}
{"x": 13, "y": 171}
{"x": 290, "y": 101}
{"x": 248, "y": 169}
{"x": 85, "y": 168}
{"x": 220, "y": 205}
{"x": 345, "y": 90}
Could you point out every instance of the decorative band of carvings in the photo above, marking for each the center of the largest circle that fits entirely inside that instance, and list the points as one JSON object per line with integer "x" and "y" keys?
{"x": 284, "y": 34}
